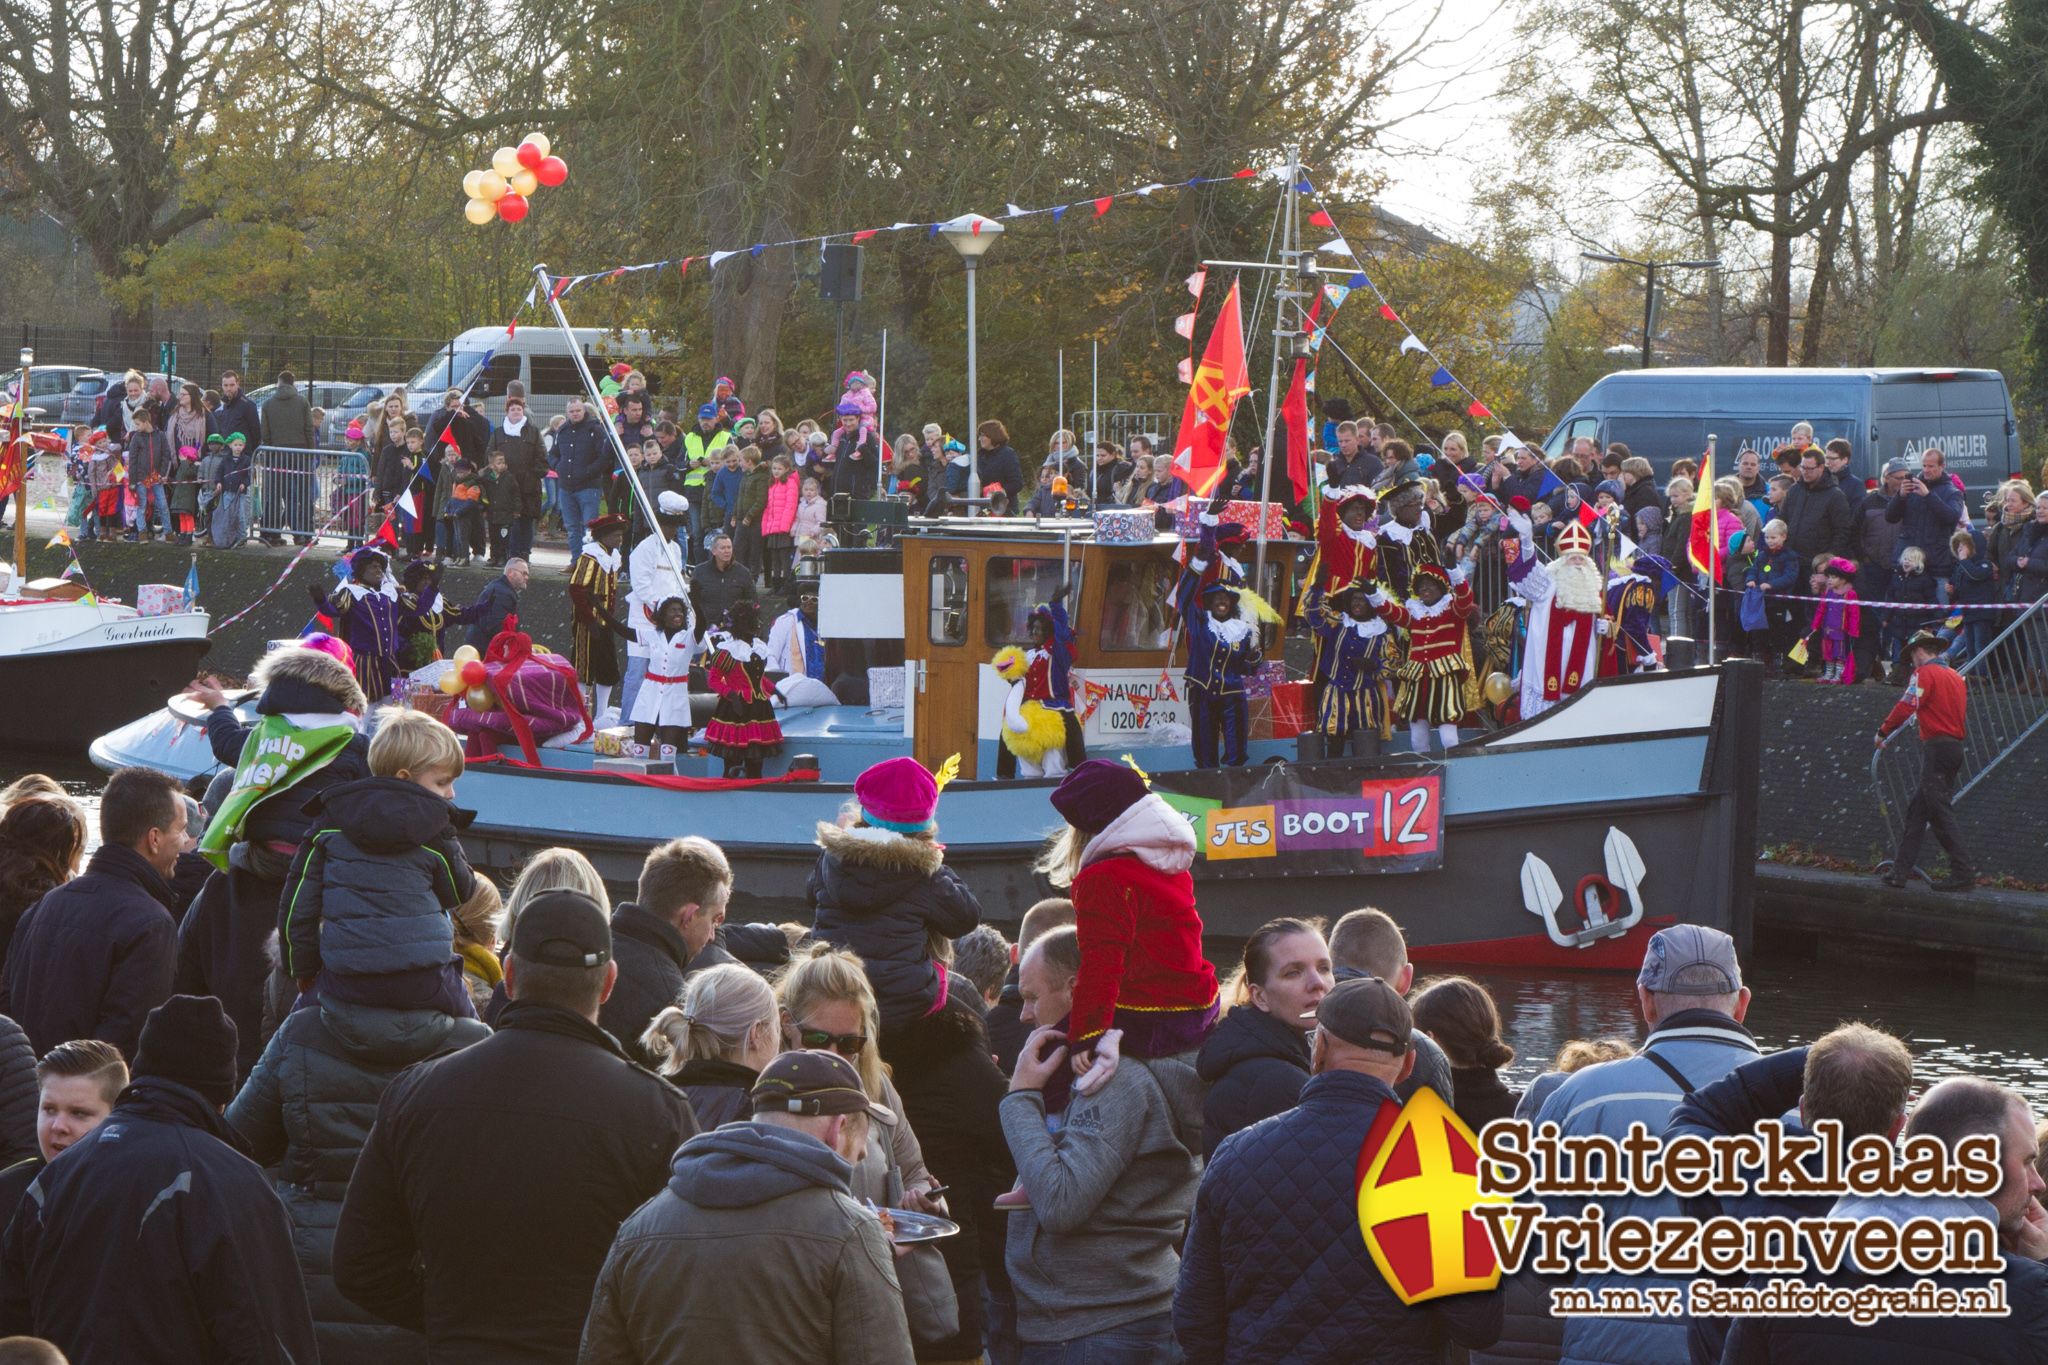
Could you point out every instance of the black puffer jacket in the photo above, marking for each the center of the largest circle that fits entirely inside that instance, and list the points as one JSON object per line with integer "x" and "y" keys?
{"x": 883, "y": 895}
{"x": 652, "y": 958}
{"x": 950, "y": 1092}
{"x": 375, "y": 882}
{"x": 1255, "y": 1066}
{"x": 717, "y": 1089}
{"x": 306, "y": 1110}
{"x": 19, "y": 1097}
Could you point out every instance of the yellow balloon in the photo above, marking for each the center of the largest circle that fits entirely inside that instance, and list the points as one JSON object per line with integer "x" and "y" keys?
{"x": 481, "y": 698}
{"x": 539, "y": 140}
{"x": 451, "y": 681}
{"x": 478, "y": 211}
{"x": 493, "y": 186}
{"x": 1498, "y": 687}
{"x": 473, "y": 184}
{"x": 466, "y": 654}
{"x": 526, "y": 182}
{"x": 505, "y": 161}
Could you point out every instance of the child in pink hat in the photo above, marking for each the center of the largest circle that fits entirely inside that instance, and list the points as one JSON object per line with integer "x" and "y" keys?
{"x": 881, "y": 888}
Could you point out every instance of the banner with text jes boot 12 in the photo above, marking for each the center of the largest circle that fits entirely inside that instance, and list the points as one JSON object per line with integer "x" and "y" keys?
{"x": 1280, "y": 819}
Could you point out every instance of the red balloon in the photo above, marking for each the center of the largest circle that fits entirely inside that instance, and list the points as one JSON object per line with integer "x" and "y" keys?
{"x": 474, "y": 674}
{"x": 529, "y": 155}
{"x": 551, "y": 171}
{"x": 512, "y": 207}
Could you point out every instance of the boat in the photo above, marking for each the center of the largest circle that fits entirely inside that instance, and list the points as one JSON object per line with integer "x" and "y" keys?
{"x": 1563, "y": 841}
{"x": 76, "y": 663}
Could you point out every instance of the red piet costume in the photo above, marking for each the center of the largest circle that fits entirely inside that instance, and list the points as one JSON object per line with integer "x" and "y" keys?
{"x": 1433, "y": 673}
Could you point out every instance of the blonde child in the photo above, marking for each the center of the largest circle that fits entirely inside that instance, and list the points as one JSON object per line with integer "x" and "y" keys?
{"x": 778, "y": 520}
{"x": 384, "y": 870}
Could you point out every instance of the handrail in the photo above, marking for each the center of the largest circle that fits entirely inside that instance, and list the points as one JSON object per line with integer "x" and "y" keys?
{"x": 2004, "y": 713}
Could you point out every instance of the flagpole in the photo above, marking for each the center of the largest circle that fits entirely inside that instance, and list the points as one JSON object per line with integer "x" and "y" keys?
{"x": 1059, "y": 417}
{"x": 1094, "y": 398}
{"x": 1713, "y": 566}
{"x": 883, "y": 450}
{"x": 1289, "y": 256}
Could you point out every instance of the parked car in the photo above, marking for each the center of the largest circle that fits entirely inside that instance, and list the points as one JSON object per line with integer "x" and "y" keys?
{"x": 537, "y": 357}
{"x": 321, "y": 393}
{"x": 47, "y": 386}
{"x": 365, "y": 398}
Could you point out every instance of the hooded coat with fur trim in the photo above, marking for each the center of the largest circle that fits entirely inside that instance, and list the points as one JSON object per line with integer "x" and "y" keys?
{"x": 295, "y": 682}
{"x": 883, "y": 896}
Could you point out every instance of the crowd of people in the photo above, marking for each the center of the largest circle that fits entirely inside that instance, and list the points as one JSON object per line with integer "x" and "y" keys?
{"x": 282, "y": 1079}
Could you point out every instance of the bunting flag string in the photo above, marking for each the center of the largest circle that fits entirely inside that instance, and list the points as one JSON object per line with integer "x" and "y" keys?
{"x": 1442, "y": 377}
{"x": 1097, "y": 204}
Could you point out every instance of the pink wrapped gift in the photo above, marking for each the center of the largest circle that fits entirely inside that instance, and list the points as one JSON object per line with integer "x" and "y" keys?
{"x": 1187, "y": 513}
{"x": 1261, "y": 681}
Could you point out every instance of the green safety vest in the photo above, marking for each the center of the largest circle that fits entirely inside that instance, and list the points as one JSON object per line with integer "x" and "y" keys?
{"x": 276, "y": 756}
{"x": 696, "y": 455}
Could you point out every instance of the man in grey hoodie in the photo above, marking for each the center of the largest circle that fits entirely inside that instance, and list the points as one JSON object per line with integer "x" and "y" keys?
{"x": 759, "y": 1212}
{"x": 1094, "y": 1257}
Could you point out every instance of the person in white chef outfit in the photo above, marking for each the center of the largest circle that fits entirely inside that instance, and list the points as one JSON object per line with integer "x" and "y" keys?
{"x": 661, "y": 708}
{"x": 651, "y": 579}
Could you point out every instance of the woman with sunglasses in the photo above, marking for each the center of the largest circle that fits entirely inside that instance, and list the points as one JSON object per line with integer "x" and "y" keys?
{"x": 828, "y": 1006}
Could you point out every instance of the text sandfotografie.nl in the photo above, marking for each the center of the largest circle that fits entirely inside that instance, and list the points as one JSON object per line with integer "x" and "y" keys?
{"x": 1780, "y": 1298}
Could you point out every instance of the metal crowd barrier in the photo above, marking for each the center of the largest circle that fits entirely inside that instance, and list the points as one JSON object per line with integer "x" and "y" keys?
{"x": 295, "y": 492}
{"x": 2008, "y": 701}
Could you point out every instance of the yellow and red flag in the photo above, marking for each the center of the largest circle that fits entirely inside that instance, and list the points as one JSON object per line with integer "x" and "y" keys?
{"x": 1220, "y": 380}
{"x": 1418, "y": 1182}
{"x": 1705, "y": 533}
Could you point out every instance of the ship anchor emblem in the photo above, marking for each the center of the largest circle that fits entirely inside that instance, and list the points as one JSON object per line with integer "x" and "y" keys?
{"x": 1596, "y": 898}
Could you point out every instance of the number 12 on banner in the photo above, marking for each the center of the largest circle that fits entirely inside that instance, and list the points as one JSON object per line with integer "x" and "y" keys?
{"x": 1410, "y": 815}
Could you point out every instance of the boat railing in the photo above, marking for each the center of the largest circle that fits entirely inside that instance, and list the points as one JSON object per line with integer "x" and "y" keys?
{"x": 2008, "y": 702}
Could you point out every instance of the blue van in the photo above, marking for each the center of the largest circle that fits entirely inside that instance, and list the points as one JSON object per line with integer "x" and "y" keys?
{"x": 1665, "y": 415}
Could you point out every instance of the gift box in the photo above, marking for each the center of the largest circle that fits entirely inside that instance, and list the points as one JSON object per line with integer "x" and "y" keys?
{"x": 159, "y": 599}
{"x": 1261, "y": 681}
{"x": 613, "y": 741}
{"x": 644, "y": 767}
{"x": 1290, "y": 709}
{"x": 1124, "y": 526}
{"x": 430, "y": 701}
{"x": 1187, "y": 514}
{"x": 885, "y": 686}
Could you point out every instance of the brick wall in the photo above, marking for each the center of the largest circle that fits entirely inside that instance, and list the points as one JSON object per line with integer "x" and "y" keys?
{"x": 1815, "y": 787}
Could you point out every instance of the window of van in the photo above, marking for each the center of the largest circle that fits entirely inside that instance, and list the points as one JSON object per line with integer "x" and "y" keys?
{"x": 445, "y": 372}
{"x": 554, "y": 376}
{"x": 1660, "y": 440}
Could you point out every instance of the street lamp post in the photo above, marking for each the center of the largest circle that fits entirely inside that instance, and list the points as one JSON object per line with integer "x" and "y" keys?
{"x": 1649, "y": 269}
{"x": 971, "y": 234}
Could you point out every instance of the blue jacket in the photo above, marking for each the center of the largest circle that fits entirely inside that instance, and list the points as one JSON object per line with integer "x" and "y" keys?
{"x": 1275, "y": 1267}
{"x": 371, "y": 890}
{"x": 1927, "y": 521}
{"x": 583, "y": 455}
{"x": 1700, "y": 1045}
{"x": 93, "y": 957}
{"x": 1774, "y": 570}
{"x": 725, "y": 491}
{"x": 1911, "y": 587}
{"x": 1216, "y": 664}
{"x": 492, "y": 606}
{"x": 153, "y": 1241}
{"x": 233, "y": 415}
{"x": 1975, "y": 580}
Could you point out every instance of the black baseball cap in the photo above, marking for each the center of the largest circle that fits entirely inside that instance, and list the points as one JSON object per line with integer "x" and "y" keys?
{"x": 563, "y": 929}
{"x": 813, "y": 1083}
{"x": 1367, "y": 1012}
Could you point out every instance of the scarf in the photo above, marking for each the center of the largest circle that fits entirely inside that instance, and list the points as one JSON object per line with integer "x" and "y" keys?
{"x": 513, "y": 428}
{"x": 1233, "y": 631}
{"x": 2012, "y": 521}
{"x": 1422, "y": 613}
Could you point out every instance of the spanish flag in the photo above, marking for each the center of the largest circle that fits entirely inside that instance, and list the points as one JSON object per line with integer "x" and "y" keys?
{"x": 1701, "y": 548}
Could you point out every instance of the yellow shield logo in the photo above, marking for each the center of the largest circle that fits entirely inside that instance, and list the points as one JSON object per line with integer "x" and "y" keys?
{"x": 1418, "y": 1185}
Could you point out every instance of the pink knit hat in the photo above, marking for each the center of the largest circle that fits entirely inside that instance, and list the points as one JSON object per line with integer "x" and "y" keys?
{"x": 897, "y": 794}
{"x": 328, "y": 644}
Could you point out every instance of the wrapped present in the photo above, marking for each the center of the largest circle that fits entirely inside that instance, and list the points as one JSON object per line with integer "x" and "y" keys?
{"x": 885, "y": 686}
{"x": 1262, "y": 680}
{"x": 159, "y": 599}
{"x": 614, "y": 741}
{"x": 430, "y": 701}
{"x": 1187, "y": 513}
{"x": 1124, "y": 525}
{"x": 1290, "y": 709}
{"x": 1259, "y": 718}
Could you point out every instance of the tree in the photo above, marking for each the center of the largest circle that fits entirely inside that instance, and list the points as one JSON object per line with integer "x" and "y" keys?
{"x": 106, "y": 102}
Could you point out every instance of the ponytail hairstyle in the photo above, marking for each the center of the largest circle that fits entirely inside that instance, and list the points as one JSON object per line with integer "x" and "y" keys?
{"x": 1460, "y": 1015}
{"x": 1256, "y": 964}
{"x": 720, "y": 1009}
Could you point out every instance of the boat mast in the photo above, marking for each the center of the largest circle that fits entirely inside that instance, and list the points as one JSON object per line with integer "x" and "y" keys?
{"x": 1282, "y": 333}
{"x": 19, "y": 436}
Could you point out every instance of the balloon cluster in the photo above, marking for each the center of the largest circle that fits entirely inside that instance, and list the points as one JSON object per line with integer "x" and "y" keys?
{"x": 470, "y": 680}
{"x": 505, "y": 191}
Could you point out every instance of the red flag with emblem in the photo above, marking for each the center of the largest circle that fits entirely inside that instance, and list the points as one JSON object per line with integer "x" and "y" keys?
{"x": 1220, "y": 380}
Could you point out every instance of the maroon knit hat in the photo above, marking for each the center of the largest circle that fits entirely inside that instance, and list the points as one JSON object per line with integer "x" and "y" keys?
{"x": 1096, "y": 793}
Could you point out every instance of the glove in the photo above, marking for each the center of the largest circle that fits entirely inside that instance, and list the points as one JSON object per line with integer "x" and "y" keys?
{"x": 1459, "y": 572}
{"x": 319, "y": 597}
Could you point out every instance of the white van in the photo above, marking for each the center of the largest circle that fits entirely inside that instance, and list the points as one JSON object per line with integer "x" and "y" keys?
{"x": 537, "y": 357}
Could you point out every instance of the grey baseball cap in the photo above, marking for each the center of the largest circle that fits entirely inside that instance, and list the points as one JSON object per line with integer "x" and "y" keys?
{"x": 1690, "y": 959}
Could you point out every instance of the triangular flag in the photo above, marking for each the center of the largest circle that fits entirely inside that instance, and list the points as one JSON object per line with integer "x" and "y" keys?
{"x": 974, "y": 228}
{"x": 718, "y": 256}
{"x": 1321, "y": 219}
{"x": 1587, "y": 516}
{"x": 1185, "y": 369}
{"x": 1336, "y": 294}
{"x": 1358, "y": 281}
{"x": 1387, "y": 312}
{"x": 1245, "y": 174}
{"x": 1304, "y": 187}
{"x": 1441, "y": 379}
{"x": 756, "y": 249}
{"x": 684, "y": 268}
{"x": 1478, "y": 410}
{"x": 864, "y": 234}
{"x": 1337, "y": 246}
{"x": 89, "y": 599}
{"x": 1148, "y": 189}
{"x": 1510, "y": 441}
{"x": 932, "y": 230}
{"x": 1315, "y": 339}
{"x": 1012, "y": 211}
{"x": 448, "y": 433}
{"x": 61, "y": 538}
{"x": 1185, "y": 325}
{"x": 1102, "y": 204}
{"x": 620, "y": 271}
{"x": 1412, "y": 342}
{"x": 1196, "y": 281}
{"x": 561, "y": 287}
{"x": 1059, "y": 212}
{"x": 898, "y": 227}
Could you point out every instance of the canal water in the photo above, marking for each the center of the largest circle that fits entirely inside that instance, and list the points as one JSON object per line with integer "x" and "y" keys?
{"x": 1953, "y": 1025}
